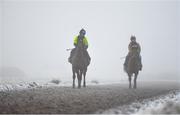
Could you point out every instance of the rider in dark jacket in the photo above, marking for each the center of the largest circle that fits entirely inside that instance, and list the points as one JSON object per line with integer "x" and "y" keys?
{"x": 133, "y": 47}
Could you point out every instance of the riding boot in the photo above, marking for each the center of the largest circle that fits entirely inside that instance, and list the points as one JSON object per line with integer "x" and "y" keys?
{"x": 140, "y": 63}
{"x": 125, "y": 63}
{"x": 88, "y": 57}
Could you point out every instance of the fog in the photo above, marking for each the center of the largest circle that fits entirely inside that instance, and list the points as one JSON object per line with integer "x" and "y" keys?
{"x": 36, "y": 34}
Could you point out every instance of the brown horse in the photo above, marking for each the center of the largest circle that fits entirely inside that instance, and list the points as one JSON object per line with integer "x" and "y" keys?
{"x": 79, "y": 64}
{"x": 133, "y": 68}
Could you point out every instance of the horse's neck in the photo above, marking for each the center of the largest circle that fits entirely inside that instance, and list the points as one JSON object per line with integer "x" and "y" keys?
{"x": 79, "y": 51}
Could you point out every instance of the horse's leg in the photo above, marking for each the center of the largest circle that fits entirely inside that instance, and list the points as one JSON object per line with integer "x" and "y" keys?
{"x": 135, "y": 78}
{"x": 80, "y": 77}
{"x": 74, "y": 76}
{"x": 129, "y": 80}
{"x": 84, "y": 74}
{"x": 79, "y": 74}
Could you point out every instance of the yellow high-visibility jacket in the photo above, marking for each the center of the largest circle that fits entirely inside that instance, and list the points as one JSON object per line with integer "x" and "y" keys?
{"x": 85, "y": 42}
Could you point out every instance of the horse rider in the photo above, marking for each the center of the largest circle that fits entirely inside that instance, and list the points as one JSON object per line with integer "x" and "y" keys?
{"x": 82, "y": 37}
{"x": 133, "y": 47}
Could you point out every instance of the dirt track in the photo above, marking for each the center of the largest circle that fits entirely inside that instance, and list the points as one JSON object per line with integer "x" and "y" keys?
{"x": 84, "y": 100}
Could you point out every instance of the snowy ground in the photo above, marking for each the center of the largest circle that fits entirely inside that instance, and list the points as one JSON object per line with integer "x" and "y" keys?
{"x": 163, "y": 104}
{"x": 30, "y": 85}
{"x": 92, "y": 99}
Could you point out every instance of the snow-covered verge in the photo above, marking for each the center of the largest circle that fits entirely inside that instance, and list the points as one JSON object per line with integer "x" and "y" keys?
{"x": 164, "y": 104}
{"x": 29, "y": 85}
{"x": 19, "y": 86}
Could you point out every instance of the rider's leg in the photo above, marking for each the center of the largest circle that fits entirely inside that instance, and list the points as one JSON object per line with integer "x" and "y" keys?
{"x": 140, "y": 63}
{"x": 71, "y": 54}
{"x": 126, "y": 60}
{"x": 87, "y": 55}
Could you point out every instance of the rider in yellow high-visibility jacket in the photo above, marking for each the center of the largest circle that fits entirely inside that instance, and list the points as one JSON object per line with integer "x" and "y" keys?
{"x": 85, "y": 41}
{"x": 82, "y": 37}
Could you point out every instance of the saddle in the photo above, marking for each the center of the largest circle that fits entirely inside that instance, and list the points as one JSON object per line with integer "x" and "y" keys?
{"x": 86, "y": 56}
{"x": 133, "y": 54}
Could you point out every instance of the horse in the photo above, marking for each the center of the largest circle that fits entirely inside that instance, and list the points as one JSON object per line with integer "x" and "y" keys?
{"x": 133, "y": 68}
{"x": 79, "y": 64}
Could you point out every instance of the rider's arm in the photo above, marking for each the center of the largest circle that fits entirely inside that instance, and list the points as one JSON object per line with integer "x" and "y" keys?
{"x": 129, "y": 47}
{"x": 139, "y": 48}
{"x": 75, "y": 41}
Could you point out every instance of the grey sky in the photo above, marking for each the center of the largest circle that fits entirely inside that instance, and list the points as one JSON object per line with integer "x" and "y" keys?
{"x": 36, "y": 35}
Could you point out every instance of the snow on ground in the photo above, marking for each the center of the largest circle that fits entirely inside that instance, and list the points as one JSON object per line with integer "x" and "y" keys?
{"x": 29, "y": 85}
{"x": 164, "y": 104}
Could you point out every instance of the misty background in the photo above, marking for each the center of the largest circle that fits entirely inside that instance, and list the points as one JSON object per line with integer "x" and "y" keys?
{"x": 34, "y": 36}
